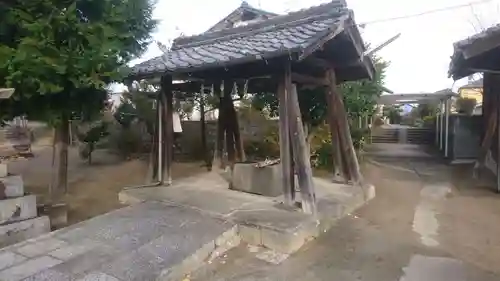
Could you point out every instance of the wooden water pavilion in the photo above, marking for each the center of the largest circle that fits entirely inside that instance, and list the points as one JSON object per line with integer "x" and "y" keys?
{"x": 316, "y": 47}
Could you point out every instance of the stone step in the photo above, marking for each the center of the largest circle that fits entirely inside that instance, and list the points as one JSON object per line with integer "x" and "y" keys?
{"x": 14, "y": 186}
{"x": 147, "y": 241}
{"x": 17, "y": 209}
{"x": 19, "y": 231}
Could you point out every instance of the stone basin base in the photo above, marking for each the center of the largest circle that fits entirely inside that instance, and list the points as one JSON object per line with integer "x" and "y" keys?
{"x": 265, "y": 181}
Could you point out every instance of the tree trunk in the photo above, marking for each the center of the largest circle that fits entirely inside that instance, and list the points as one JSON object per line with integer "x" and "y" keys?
{"x": 91, "y": 149}
{"x": 62, "y": 143}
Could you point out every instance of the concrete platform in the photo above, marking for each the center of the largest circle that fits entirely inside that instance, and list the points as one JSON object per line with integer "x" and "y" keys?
{"x": 146, "y": 241}
{"x": 261, "y": 220}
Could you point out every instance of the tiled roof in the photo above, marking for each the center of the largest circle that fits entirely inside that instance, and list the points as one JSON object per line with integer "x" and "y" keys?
{"x": 494, "y": 30}
{"x": 277, "y": 36}
{"x": 245, "y": 7}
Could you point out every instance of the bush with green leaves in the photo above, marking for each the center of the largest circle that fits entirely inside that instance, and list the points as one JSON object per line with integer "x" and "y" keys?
{"x": 89, "y": 135}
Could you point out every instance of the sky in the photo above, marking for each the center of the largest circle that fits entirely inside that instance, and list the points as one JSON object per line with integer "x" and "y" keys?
{"x": 419, "y": 59}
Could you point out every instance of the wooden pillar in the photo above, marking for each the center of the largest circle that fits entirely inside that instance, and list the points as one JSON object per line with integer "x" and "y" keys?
{"x": 168, "y": 128}
{"x": 218, "y": 149}
{"x": 497, "y": 97}
{"x": 301, "y": 152}
{"x": 344, "y": 130}
{"x": 287, "y": 178}
{"x": 240, "y": 143}
{"x": 155, "y": 152}
{"x": 490, "y": 121}
{"x": 203, "y": 127}
{"x": 229, "y": 121}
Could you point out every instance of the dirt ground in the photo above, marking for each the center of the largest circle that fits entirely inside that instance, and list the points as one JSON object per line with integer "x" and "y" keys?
{"x": 428, "y": 222}
{"x": 93, "y": 189}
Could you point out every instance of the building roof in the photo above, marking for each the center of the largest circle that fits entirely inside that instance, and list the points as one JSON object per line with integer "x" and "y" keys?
{"x": 237, "y": 14}
{"x": 473, "y": 84}
{"x": 469, "y": 54}
{"x": 290, "y": 34}
{"x": 408, "y": 98}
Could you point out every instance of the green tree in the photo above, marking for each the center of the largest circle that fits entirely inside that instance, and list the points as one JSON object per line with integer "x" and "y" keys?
{"x": 61, "y": 54}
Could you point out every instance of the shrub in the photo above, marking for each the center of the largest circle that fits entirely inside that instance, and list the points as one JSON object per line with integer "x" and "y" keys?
{"x": 128, "y": 141}
{"x": 89, "y": 135}
{"x": 466, "y": 105}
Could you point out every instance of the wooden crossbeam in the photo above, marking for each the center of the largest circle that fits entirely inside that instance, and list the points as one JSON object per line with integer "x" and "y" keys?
{"x": 306, "y": 79}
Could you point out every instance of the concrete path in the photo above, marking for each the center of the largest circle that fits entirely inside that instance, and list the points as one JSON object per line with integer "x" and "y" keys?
{"x": 427, "y": 223}
{"x": 141, "y": 242}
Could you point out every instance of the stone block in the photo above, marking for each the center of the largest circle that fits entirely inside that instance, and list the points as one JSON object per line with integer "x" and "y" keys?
{"x": 19, "y": 231}
{"x": 3, "y": 170}
{"x": 14, "y": 185}
{"x": 28, "y": 268}
{"x": 17, "y": 209}
{"x": 264, "y": 181}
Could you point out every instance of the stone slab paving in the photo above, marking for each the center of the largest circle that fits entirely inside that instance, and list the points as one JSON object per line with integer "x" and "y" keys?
{"x": 139, "y": 242}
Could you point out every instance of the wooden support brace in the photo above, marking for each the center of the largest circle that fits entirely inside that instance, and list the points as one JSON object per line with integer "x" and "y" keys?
{"x": 344, "y": 131}
{"x": 339, "y": 169}
{"x": 301, "y": 153}
{"x": 287, "y": 177}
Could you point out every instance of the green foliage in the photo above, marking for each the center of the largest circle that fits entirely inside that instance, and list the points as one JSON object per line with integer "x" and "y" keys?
{"x": 134, "y": 127}
{"x": 466, "y": 105}
{"x": 90, "y": 135}
{"x": 393, "y": 113}
{"x": 61, "y": 54}
{"x": 126, "y": 142}
{"x": 267, "y": 147}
